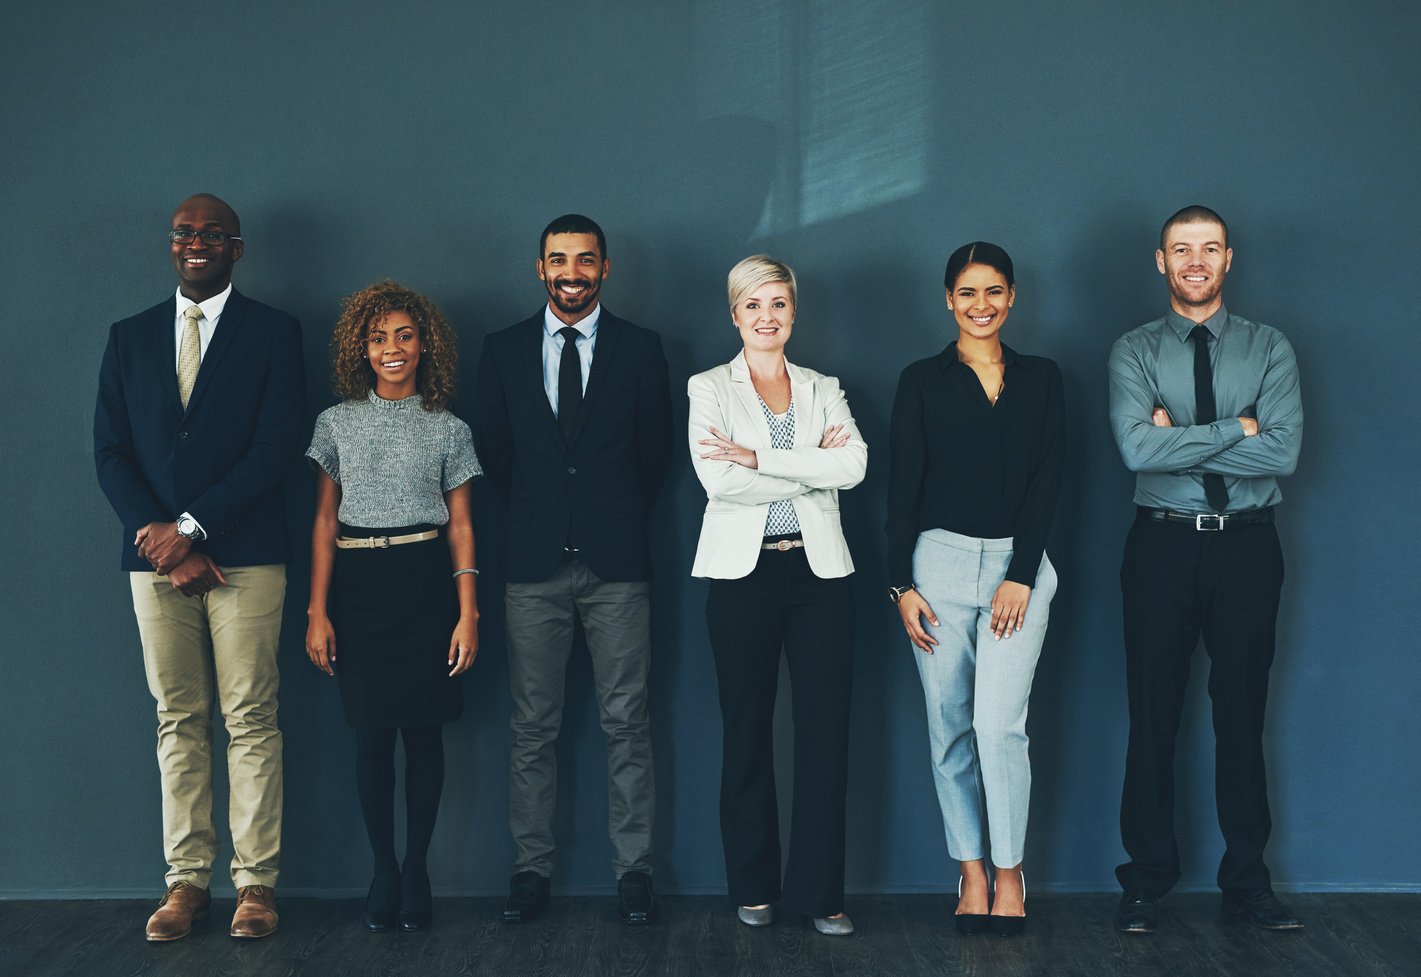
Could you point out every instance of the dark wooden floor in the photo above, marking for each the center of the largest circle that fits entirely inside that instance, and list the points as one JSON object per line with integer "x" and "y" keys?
{"x": 1068, "y": 935}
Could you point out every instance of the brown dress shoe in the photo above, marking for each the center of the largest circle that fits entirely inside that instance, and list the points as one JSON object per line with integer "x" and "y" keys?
{"x": 256, "y": 912}
{"x": 180, "y": 905}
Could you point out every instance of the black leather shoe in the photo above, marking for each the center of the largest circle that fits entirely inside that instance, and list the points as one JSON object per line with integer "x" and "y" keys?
{"x": 527, "y": 897}
{"x": 416, "y": 901}
{"x": 635, "y": 903}
{"x": 382, "y": 903}
{"x": 1261, "y": 908}
{"x": 1138, "y": 912}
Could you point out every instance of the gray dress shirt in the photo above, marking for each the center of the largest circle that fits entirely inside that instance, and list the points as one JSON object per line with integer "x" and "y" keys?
{"x": 1255, "y": 375}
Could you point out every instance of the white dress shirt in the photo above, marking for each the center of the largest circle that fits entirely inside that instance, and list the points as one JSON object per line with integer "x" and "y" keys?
{"x": 206, "y": 326}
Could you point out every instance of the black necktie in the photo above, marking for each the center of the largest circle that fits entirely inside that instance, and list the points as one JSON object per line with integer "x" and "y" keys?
{"x": 569, "y": 382}
{"x": 1205, "y": 411}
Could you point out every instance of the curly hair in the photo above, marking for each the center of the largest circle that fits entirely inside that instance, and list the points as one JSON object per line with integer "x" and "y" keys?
{"x": 351, "y": 374}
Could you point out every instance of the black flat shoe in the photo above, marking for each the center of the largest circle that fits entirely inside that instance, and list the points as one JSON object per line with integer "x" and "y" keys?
{"x": 1010, "y": 925}
{"x": 382, "y": 903}
{"x": 969, "y": 924}
{"x": 1138, "y": 912}
{"x": 416, "y": 901}
{"x": 1261, "y": 908}
{"x": 527, "y": 897}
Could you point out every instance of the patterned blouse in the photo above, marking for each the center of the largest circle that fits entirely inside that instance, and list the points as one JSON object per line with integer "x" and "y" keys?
{"x": 782, "y": 519}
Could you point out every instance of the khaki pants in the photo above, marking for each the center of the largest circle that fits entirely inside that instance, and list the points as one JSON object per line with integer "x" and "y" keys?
{"x": 223, "y": 643}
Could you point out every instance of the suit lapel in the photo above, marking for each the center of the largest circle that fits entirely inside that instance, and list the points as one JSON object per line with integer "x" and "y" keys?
{"x": 530, "y": 364}
{"x": 165, "y": 340}
{"x": 227, "y": 325}
{"x": 803, "y": 391}
{"x": 609, "y": 331}
{"x": 749, "y": 400}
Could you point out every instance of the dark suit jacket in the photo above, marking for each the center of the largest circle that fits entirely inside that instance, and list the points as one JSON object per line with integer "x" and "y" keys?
{"x": 224, "y": 458}
{"x": 603, "y": 484}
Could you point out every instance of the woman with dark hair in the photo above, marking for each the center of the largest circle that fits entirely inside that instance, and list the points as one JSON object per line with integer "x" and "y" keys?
{"x": 394, "y": 468}
{"x": 975, "y": 465}
{"x": 774, "y": 444}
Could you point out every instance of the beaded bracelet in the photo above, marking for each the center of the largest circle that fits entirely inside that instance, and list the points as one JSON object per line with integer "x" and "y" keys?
{"x": 466, "y": 570}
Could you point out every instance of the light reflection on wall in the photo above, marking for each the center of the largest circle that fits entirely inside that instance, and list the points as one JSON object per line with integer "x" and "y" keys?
{"x": 841, "y": 90}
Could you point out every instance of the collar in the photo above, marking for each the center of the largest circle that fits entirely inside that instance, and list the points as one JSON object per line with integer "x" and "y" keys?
{"x": 404, "y": 403}
{"x": 587, "y": 325}
{"x": 211, "y": 308}
{"x": 948, "y": 358}
{"x": 1183, "y": 327}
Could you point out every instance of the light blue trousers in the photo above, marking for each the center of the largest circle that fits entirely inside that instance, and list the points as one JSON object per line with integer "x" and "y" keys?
{"x": 976, "y": 689}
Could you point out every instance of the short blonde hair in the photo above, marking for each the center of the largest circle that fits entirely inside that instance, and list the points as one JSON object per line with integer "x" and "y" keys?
{"x": 757, "y": 270}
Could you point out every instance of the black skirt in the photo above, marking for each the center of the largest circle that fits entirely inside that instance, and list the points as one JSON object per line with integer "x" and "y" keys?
{"x": 394, "y": 612}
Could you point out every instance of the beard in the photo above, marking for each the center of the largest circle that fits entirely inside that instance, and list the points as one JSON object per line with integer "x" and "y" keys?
{"x": 573, "y": 303}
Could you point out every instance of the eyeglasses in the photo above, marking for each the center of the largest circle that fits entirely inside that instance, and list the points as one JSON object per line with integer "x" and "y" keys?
{"x": 213, "y": 238}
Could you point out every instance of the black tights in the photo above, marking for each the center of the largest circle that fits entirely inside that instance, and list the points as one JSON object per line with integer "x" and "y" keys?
{"x": 424, "y": 781}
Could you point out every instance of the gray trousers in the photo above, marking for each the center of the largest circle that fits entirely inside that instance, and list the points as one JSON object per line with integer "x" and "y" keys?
{"x": 617, "y": 620}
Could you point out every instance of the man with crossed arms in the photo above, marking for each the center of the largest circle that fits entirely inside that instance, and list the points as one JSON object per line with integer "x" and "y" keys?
{"x": 1206, "y": 408}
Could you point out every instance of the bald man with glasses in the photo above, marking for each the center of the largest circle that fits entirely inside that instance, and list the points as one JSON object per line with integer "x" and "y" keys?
{"x": 198, "y": 421}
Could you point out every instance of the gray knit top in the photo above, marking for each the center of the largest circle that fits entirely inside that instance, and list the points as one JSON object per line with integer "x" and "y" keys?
{"x": 393, "y": 460}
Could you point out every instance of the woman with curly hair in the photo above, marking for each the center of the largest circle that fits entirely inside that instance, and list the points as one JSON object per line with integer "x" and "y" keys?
{"x": 393, "y": 613}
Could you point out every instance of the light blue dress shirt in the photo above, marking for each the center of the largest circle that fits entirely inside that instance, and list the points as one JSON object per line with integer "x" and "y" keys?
{"x": 552, "y": 350}
{"x": 1255, "y": 375}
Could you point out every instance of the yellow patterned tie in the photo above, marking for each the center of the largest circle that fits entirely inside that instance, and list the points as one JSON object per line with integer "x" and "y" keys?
{"x": 189, "y": 354}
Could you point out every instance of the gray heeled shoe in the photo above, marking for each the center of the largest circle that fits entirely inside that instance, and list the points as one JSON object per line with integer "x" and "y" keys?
{"x": 834, "y": 925}
{"x": 756, "y": 917}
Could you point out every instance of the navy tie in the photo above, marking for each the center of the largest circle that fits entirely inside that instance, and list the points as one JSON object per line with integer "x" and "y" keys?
{"x": 569, "y": 383}
{"x": 1206, "y": 412}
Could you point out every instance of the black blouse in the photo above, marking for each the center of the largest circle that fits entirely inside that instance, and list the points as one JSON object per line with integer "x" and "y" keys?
{"x": 961, "y": 464}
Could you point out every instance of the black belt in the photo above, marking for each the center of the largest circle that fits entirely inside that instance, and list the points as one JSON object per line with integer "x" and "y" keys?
{"x": 1209, "y": 522}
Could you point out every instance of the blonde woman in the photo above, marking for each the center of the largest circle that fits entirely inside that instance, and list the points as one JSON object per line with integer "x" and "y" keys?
{"x": 773, "y": 443}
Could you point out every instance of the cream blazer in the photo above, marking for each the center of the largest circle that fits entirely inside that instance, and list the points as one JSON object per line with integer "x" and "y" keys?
{"x": 810, "y": 476}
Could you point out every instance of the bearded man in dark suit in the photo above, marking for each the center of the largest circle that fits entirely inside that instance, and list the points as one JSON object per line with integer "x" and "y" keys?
{"x": 575, "y": 431}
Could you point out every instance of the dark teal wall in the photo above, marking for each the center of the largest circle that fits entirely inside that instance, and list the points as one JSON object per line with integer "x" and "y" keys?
{"x": 429, "y": 142}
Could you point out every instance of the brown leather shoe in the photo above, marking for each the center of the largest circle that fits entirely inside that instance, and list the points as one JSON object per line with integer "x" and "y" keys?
{"x": 256, "y": 912}
{"x": 180, "y": 906}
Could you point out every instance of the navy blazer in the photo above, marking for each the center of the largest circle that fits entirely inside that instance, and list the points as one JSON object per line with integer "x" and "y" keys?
{"x": 225, "y": 457}
{"x": 603, "y": 484}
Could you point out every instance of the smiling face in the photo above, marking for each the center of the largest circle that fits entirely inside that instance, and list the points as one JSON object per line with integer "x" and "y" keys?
{"x": 204, "y": 270}
{"x": 572, "y": 268}
{"x": 392, "y": 345}
{"x": 980, "y": 301}
{"x": 765, "y": 317}
{"x": 1194, "y": 261}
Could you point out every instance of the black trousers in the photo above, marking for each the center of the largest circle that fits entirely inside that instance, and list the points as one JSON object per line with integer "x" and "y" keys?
{"x": 782, "y": 604}
{"x": 1177, "y": 584}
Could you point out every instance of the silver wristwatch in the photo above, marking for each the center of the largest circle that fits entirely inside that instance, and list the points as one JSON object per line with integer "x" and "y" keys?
{"x": 189, "y": 529}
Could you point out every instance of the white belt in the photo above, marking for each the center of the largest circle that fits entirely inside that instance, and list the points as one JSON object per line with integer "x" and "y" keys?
{"x": 784, "y": 545}
{"x": 383, "y": 542}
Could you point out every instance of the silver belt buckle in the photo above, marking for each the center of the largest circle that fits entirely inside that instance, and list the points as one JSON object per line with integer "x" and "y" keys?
{"x": 380, "y": 542}
{"x": 1217, "y": 525}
